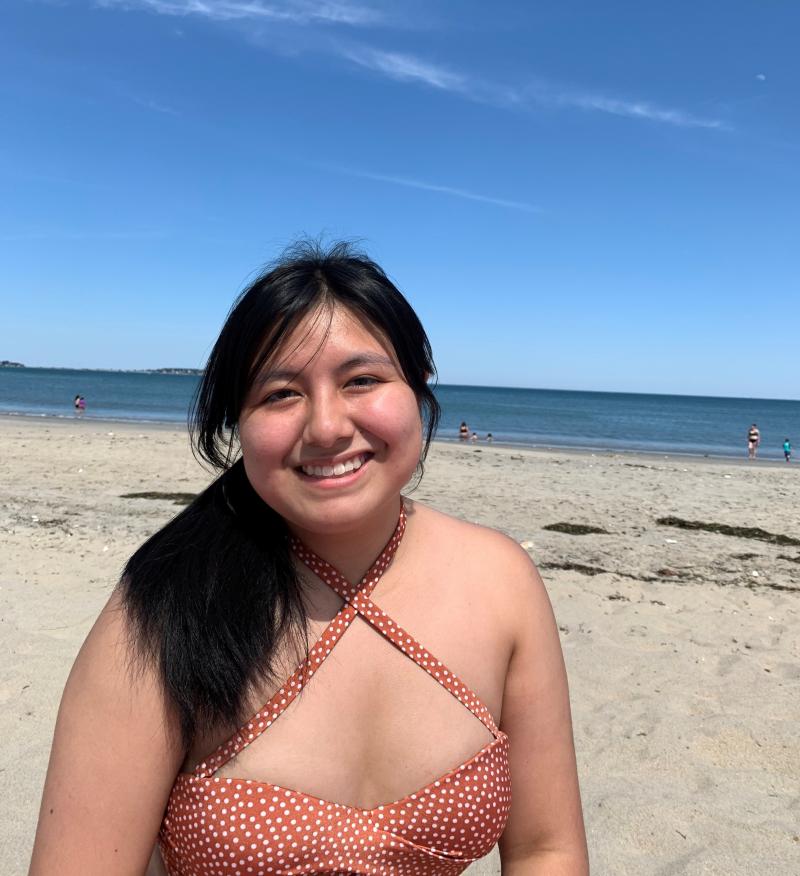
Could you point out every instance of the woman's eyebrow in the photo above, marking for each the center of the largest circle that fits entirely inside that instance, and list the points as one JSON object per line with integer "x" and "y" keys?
{"x": 286, "y": 375}
{"x": 366, "y": 359}
{"x": 283, "y": 375}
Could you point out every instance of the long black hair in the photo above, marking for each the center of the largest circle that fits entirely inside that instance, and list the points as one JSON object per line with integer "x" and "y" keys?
{"x": 211, "y": 596}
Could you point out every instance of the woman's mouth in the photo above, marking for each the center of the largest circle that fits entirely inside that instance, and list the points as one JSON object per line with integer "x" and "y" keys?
{"x": 338, "y": 469}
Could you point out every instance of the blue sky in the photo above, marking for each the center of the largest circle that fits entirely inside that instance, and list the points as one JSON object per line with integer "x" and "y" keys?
{"x": 573, "y": 195}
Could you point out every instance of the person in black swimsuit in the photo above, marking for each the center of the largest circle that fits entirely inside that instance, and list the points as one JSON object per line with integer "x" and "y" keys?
{"x": 753, "y": 440}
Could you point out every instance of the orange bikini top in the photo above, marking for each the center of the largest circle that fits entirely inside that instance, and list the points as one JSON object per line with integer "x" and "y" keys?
{"x": 218, "y": 826}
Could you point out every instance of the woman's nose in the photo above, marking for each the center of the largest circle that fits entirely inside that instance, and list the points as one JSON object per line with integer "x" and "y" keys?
{"x": 328, "y": 420}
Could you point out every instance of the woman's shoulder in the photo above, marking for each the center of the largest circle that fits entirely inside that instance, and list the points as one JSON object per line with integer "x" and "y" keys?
{"x": 474, "y": 554}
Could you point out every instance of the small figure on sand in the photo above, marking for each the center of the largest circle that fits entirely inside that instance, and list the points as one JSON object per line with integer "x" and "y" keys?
{"x": 753, "y": 440}
{"x": 79, "y": 404}
{"x": 463, "y": 431}
{"x": 787, "y": 449}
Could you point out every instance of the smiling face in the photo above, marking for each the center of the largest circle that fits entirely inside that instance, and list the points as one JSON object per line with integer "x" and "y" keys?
{"x": 330, "y": 431}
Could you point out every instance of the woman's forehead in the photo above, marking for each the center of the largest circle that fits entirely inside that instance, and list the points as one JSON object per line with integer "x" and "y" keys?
{"x": 333, "y": 329}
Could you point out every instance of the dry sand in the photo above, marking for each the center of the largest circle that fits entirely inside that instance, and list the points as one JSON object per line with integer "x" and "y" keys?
{"x": 681, "y": 645}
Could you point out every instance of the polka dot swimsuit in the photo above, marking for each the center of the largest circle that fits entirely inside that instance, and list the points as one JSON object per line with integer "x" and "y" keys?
{"x": 218, "y": 826}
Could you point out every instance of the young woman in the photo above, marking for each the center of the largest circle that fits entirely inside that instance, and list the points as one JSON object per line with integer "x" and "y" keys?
{"x": 306, "y": 671}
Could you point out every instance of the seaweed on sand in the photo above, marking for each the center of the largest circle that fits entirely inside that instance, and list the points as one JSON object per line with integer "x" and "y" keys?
{"x": 575, "y": 528}
{"x": 176, "y": 498}
{"x": 723, "y": 529}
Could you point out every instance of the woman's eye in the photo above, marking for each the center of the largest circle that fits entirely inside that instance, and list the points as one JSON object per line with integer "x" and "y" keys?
{"x": 279, "y": 395}
{"x": 363, "y": 381}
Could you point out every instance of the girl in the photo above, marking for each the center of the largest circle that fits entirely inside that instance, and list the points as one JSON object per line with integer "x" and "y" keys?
{"x": 306, "y": 671}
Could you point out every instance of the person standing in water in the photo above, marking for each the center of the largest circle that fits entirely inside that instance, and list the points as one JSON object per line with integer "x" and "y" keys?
{"x": 753, "y": 440}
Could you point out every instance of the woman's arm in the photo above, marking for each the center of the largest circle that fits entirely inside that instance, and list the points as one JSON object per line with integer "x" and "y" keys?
{"x": 545, "y": 832}
{"x": 115, "y": 755}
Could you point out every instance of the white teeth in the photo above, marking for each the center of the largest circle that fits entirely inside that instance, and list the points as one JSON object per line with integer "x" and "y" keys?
{"x": 326, "y": 471}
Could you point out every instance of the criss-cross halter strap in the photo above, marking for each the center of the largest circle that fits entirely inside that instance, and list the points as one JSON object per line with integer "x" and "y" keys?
{"x": 356, "y": 602}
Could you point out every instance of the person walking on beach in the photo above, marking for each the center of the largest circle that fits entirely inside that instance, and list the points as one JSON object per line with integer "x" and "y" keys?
{"x": 787, "y": 450}
{"x": 192, "y": 710}
{"x": 753, "y": 440}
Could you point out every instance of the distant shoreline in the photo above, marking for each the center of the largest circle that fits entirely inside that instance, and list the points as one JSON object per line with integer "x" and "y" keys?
{"x": 198, "y": 372}
{"x": 192, "y": 372}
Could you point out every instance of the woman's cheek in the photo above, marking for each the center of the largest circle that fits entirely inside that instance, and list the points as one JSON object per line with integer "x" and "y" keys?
{"x": 266, "y": 438}
{"x": 395, "y": 417}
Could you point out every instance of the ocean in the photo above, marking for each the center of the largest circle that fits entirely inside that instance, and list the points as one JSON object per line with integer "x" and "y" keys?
{"x": 672, "y": 424}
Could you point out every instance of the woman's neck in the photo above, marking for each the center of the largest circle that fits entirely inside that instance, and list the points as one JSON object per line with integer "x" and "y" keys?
{"x": 352, "y": 552}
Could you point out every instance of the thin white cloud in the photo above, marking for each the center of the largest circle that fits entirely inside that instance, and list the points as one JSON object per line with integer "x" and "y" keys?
{"x": 633, "y": 109}
{"x": 293, "y": 11}
{"x": 154, "y": 105}
{"x": 408, "y": 68}
{"x": 439, "y": 189}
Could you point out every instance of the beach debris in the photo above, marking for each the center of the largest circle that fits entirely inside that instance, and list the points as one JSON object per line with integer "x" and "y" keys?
{"x": 728, "y": 476}
{"x": 526, "y": 545}
{"x": 105, "y": 548}
{"x": 34, "y": 518}
{"x": 177, "y": 498}
{"x": 671, "y": 540}
{"x": 754, "y": 532}
{"x": 575, "y": 529}
{"x": 111, "y": 434}
{"x": 80, "y": 471}
{"x": 618, "y": 596}
{"x": 666, "y": 572}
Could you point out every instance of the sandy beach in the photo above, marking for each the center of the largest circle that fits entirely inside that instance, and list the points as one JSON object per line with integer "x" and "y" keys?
{"x": 681, "y": 637}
